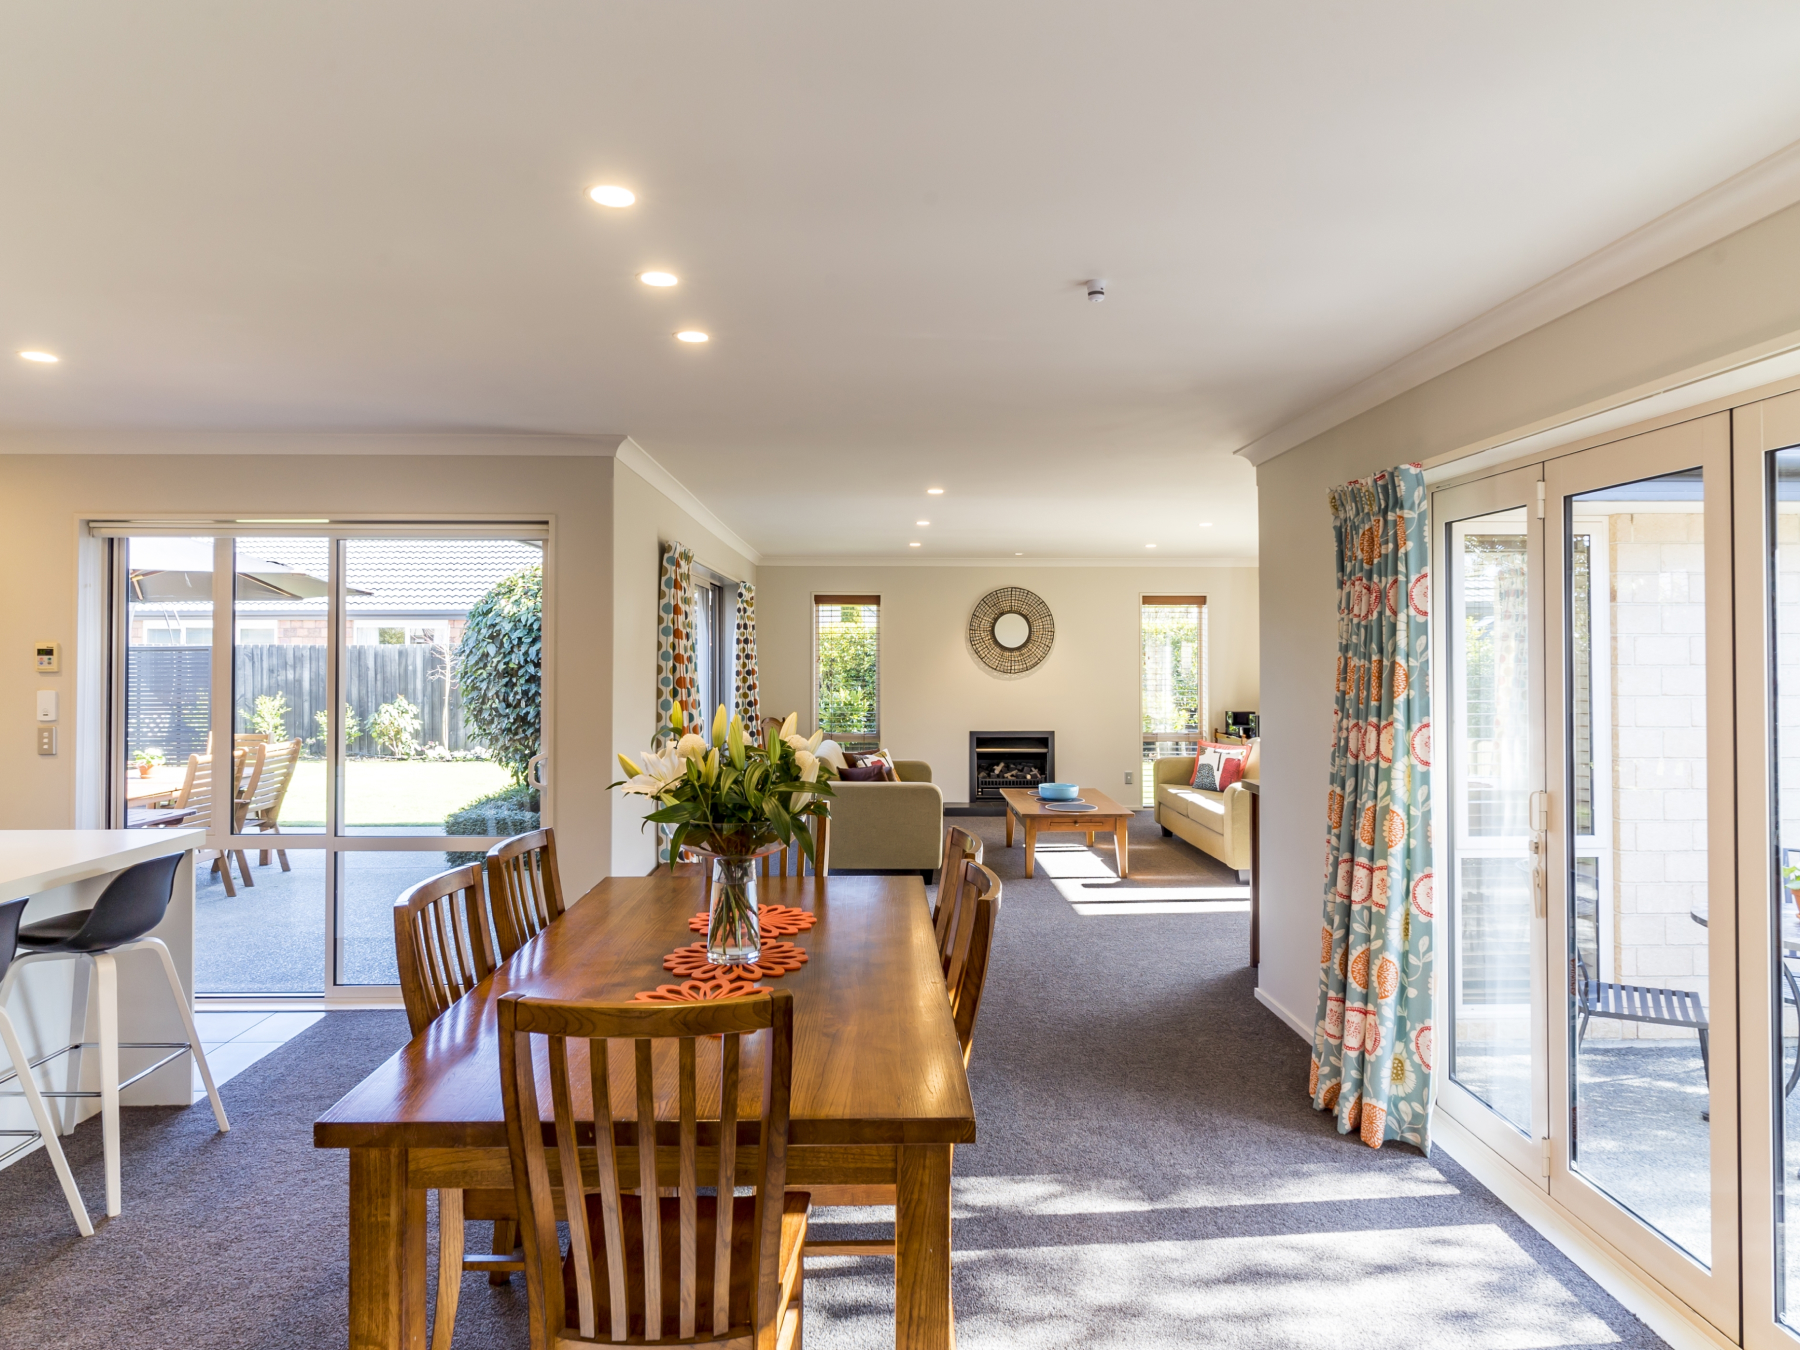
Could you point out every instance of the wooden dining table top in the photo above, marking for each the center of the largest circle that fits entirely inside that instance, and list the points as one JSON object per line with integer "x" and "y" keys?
{"x": 876, "y": 1059}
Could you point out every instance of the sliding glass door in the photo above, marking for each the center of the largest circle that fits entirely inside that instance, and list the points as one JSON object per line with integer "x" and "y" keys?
{"x": 1586, "y": 688}
{"x": 380, "y": 695}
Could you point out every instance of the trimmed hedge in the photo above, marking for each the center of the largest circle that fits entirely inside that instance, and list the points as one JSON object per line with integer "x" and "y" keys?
{"x": 510, "y": 811}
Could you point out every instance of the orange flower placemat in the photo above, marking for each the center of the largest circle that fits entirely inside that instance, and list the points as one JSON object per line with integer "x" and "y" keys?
{"x": 771, "y": 921}
{"x": 776, "y": 959}
{"x": 697, "y": 991}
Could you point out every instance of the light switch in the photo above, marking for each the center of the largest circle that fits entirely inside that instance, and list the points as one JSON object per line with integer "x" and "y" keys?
{"x": 46, "y": 705}
{"x": 46, "y": 740}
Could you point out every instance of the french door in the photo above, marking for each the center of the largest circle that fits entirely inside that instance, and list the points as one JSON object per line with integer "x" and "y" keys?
{"x": 379, "y": 692}
{"x": 1587, "y": 681}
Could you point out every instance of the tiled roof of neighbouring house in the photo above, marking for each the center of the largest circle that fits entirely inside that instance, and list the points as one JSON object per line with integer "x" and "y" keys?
{"x": 399, "y": 574}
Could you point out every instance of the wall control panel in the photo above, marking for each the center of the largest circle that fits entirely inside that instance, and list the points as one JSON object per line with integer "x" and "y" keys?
{"x": 48, "y": 656}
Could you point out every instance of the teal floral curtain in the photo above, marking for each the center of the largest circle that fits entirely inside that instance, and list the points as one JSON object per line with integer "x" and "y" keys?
{"x": 748, "y": 698}
{"x": 1372, "y": 1038}
{"x": 676, "y": 678}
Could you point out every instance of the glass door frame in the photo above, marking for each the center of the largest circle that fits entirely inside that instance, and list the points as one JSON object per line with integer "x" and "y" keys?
{"x": 1705, "y": 442}
{"x": 1516, "y": 489}
{"x": 332, "y": 841}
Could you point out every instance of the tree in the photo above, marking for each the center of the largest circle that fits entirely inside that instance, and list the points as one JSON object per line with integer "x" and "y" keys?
{"x": 396, "y": 725}
{"x": 848, "y": 649}
{"x": 499, "y": 669}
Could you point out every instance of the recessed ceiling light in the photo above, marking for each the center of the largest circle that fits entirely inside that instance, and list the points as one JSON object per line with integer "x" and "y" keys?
{"x": 1149, "y": 545}
{"x": 1018, "y": 555}
{"x": 1206, "y": 524}
{"x": 934, "y": 492}
{"x": 914, "y": 544}
{"x": 658, "y": 278}
{"x": 692, "y": 335}
{"x": 921, "y": 522}
{"x": 44, "y": 358}
{"x": 608, "y": 195}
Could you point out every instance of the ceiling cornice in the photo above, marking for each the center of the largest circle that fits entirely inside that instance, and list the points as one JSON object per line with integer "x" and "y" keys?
{"x": 1741, "y": 200}
{"x": 634, "y": 455}
{"x": 855, "y": 560}
{"x": 265, "y": 442}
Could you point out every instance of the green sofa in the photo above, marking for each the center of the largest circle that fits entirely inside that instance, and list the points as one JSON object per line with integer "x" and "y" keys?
{"x": 889, "y": 827}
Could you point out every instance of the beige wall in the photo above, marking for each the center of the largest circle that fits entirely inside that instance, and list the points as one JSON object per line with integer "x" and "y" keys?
{"x": 934, "y": 692}
{"x": 643, "y": 521}
{"x": 1740, "y": 291}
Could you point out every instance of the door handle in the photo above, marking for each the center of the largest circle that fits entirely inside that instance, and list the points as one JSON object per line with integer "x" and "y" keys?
{"x": 1540, "y": 853}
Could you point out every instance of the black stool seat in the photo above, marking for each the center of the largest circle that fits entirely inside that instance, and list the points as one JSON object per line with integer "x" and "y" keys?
{"x": 52, "y": 933}
{"x": 132, "y": 904}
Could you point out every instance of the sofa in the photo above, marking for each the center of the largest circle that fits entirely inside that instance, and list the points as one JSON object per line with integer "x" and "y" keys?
{"x": 889, "y": 827}
{"x": 1217, "y": 823}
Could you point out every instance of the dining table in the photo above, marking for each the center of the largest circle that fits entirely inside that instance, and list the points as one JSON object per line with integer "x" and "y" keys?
{"x": 879, "y": 1094}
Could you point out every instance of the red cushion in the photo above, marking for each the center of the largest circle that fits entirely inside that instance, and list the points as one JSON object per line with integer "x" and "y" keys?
{"x": 1226, "y": 763}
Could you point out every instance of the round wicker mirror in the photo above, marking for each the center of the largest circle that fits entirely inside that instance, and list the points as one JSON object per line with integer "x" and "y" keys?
{"x": 1011, "y": 630}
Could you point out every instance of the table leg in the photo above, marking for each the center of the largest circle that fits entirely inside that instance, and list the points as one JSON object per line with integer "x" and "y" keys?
{"x": 922, "y": 1317}
{"x": 1122, "y": 845}
{"x": 1030, "y": 848}
{"x": 387, "y": 1253}
{"x": 1009, "y": 826}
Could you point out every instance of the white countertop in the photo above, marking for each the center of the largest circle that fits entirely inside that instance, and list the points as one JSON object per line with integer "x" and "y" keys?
{"x": 35, "y": 860}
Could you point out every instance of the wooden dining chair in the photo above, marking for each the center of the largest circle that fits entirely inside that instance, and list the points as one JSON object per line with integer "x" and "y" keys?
{"x": 442, "y": 945}
{"x": 778, "y": 863}
{"x": 960, "y": 846}
{"x": 977, "y": 910}
{"x": 722, "y": 1269}
{"x": 524, "y": 888}
{"x": 192, "y": 807}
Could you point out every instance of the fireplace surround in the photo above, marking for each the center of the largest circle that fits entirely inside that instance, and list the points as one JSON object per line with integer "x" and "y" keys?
{"x": 1007, "y": 759}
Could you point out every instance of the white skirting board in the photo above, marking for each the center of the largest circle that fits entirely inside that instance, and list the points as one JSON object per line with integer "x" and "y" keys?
{"x": 1654, "y": 1306}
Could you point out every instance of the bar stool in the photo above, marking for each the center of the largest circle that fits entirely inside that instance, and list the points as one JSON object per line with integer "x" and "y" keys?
{"x": 10, "y": 914}
{"x": 132, "y": 904}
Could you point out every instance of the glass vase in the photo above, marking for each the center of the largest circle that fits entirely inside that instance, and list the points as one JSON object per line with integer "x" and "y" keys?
{"x": 733, "y": 936}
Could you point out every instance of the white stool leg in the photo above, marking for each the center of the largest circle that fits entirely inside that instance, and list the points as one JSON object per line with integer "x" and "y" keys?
{"x": 187, "y": 1020}
{"x": 106, "y": 983}
{"x": 9, "y": 1039}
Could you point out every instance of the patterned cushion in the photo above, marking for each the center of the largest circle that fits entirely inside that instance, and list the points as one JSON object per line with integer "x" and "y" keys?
{"x": 885, "y": 759}
{"x": 1217, "y": 767}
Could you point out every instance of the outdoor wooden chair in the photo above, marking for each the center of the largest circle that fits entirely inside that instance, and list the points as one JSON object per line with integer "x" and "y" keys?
{"x": 974, "y": 933}
{"x": 722, "y": 1269}
{"x": 260, "y": 810}
{"x": 442, "y": 943}
{"x": 193, "y": 804}
{"x": 523, "y": 888}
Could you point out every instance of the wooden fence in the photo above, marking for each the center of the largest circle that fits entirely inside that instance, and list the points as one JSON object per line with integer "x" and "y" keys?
{"x": 168, "y": 703}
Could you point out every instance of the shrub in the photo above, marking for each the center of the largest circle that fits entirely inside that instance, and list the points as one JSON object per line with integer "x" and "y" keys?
{"x": 396, "y": 726}
{"x": 512, "y": 810}
{"x": 270, "y": 717}
{"x": 498, "y": 668}
{"x": 352, "y": 727}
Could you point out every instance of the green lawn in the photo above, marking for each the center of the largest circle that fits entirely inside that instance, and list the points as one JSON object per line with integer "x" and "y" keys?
{"x": 391, "y": 792}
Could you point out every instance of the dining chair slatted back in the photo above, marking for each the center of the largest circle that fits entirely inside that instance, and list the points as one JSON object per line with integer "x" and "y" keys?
{"x": 440, "y": 938}
{"x": 524, "y": 888}
{"x": 959, "y": 845}
{"x": 953, "y": 907}
{"x": 719, "y": 1269}
{"x": 970, "y": 951}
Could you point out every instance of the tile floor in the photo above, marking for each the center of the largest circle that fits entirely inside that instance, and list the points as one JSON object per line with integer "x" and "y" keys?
{"x": 236, "y": 1040}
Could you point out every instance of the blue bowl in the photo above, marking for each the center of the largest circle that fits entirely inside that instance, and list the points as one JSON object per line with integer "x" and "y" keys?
{"x": 1058, "y": 792}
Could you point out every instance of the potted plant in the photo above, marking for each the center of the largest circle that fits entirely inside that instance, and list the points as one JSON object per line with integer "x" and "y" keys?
{"x": 147, "y": 760}
{"x": 1790, "y": 878}
{"x": 732, "y": 800}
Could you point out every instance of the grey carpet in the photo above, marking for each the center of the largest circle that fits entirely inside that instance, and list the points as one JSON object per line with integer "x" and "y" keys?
{"x": 1149, "y": 1174}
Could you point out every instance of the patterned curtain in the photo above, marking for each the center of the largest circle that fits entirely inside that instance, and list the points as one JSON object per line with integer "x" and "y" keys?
{"x": 748, "y": 698}
{"x": 1372, "y": 1047}
{"x": 675, "y": 673}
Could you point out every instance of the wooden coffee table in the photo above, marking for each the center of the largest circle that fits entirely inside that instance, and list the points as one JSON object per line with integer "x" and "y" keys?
{"x": 1038, "y": 819}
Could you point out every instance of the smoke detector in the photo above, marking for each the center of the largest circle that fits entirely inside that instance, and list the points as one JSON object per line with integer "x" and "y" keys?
{"x": 1096, "y": 290}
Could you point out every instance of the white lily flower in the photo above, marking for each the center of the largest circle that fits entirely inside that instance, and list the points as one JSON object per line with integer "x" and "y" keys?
{"x": 718, "y": 726}
{"x": 788, "y": 727}
{"x": 691, "y": 746}
{"x": 808, "y": 764}
{"x": 797, "y": 743}
{"x": 658, "y": 773}
{"x": 816, "y": 739}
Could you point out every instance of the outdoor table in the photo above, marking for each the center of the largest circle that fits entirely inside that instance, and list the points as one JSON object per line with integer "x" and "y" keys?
{"x": 879, "y": 1092}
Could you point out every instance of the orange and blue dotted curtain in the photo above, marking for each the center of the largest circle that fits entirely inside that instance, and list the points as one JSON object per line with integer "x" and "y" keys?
{"x": 1372, "y": 1038}
{"x": 748, "y": 695}
{"x": 676, "y": 678}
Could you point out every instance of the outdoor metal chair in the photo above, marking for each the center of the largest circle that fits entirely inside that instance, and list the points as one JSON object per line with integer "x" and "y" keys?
{"x": 1641, "y": 1003}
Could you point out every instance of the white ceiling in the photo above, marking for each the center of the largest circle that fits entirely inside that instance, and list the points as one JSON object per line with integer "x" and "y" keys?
{"x": 371, "y": 215}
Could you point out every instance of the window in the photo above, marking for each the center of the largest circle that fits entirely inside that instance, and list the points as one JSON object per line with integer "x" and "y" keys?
{"x": 366, "y": 757}
{"x": 715, "y": 629}
{"x": 847, "y": 667}
{"x": 1172, "y": 631}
